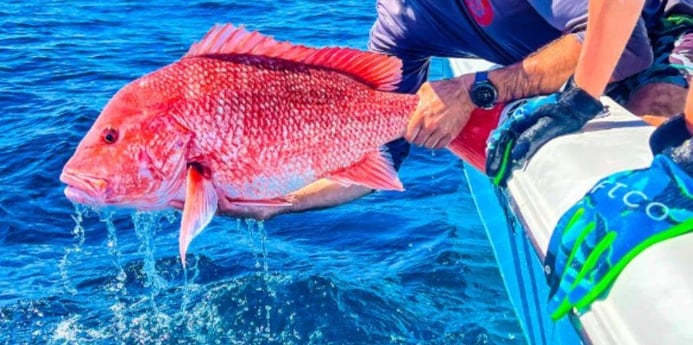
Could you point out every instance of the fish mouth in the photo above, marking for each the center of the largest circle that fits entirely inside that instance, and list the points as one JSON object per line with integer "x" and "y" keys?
{"x": 83, "y": 188}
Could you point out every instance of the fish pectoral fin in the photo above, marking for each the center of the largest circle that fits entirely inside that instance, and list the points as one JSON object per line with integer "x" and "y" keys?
{"x": 200, "y": 206}
{"x": 276, "y": 202}
{"x": 375, "y": 171}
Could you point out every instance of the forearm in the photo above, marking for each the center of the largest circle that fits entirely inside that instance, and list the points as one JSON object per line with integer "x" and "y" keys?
{"x": 543, "y": 72}
{"x": 319, "y": 194}
{"x": 323, "y": 194}
{"x": 611, "y": 23}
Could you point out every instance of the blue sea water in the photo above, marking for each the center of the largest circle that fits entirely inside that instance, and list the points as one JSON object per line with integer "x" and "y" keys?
{"x": 390, "y": 268}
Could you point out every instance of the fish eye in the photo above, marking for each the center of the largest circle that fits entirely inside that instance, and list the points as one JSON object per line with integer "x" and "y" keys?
{"x": 110, "y": 135}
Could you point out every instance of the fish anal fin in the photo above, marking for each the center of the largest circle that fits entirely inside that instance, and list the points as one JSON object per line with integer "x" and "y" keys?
{"x": 379, "y": 71}
{"x": 199, "y": 208}
{"x": 375, "y": 171}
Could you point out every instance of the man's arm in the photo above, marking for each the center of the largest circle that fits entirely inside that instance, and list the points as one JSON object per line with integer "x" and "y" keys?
{"x": 445, "y": 107}
{"x": 546, "y": 70}
{"x": 540, "y": 73}
{"x": 611, "y": 24}
{"x": 317, "y": 195}
{"x": 441, "y": 115}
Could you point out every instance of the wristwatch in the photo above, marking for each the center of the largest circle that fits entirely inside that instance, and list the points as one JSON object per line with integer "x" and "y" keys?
{"x": 483, "y": 93}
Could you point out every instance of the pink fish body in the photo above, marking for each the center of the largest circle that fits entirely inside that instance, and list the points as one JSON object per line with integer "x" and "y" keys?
{"x": 243, "y": 117}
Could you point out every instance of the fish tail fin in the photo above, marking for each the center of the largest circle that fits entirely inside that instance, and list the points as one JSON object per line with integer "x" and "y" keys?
{"x": 470, "y": 144}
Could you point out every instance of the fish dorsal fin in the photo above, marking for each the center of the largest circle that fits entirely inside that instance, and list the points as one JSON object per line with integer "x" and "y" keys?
{"x": 379, "y": 71}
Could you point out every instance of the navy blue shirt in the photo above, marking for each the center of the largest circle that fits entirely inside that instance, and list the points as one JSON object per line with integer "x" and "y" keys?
{"x": 500, "y": 31}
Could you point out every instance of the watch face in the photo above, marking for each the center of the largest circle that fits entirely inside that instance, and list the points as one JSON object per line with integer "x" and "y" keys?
{"x": 484, "y": 95}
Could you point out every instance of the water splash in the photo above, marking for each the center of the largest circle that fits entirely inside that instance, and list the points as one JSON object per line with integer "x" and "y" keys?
{"x": 78, "y": 232}
{"x": 135, "y": 317}
{"x": 146, "y": 226}
{"x": 117, "y": 286}
{"x": 189, "y": 286}
{"x": 202, "y": 316}
{"x": 149, "y": 322}
{"x": 257, "y": 241}
{"x": 261, "y": 306}
{"x": 112, "y": 244}
{"x": 67, "y": 331}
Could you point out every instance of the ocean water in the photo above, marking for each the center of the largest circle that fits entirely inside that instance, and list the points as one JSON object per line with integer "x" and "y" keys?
{"x": 390, "y": 268}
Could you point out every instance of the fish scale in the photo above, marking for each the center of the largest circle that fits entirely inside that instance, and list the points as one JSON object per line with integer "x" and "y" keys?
{"x": 289, "y": 124}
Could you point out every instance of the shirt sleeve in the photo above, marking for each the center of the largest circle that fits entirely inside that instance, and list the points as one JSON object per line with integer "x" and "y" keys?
{"x": 570, "y": 17}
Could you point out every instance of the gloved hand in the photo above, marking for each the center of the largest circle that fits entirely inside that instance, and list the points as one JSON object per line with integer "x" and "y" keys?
{"x": 533, "y": 124}
{"x": 622, "y": 215}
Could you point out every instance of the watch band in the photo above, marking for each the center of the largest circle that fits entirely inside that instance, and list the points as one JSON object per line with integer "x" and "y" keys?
{"x": 480, "y": 77}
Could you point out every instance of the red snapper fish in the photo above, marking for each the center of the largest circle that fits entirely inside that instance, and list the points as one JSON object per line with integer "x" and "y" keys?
{"x": 244, "y": 117}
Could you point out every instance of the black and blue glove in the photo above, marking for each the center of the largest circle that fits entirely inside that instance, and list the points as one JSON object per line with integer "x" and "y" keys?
{"x": 533, "y": 123}
{"x": 622, "y": 215}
